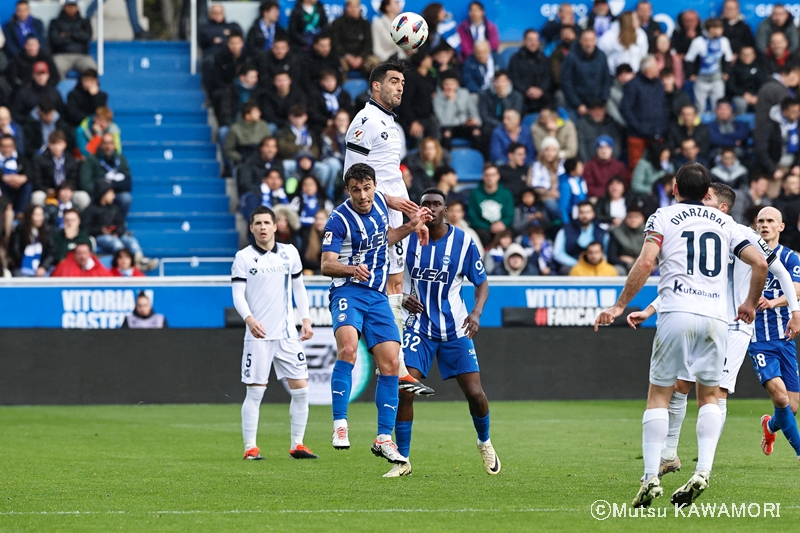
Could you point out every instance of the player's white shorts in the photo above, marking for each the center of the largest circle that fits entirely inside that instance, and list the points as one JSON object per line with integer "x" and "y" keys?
{"x": 260, "y": 355}
{"x": 688, "y": 345}
{"x": 736, "y": 351}
{"x": 397, "y": 252}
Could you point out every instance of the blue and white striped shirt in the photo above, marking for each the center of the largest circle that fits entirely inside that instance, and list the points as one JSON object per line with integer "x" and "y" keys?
{"x": 434, "y": 275}
{"x": 360, "y": 239}
{"x": 771, "y": 323}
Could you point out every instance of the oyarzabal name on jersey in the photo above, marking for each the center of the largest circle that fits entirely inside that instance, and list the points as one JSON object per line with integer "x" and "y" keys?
{"x": 681, "y": 288}
{"x": 697, "y": 212}
{"x": 97, "y": 309}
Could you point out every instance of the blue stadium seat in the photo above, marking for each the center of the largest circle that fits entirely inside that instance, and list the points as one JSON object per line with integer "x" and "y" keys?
{"x": 505, "y": 56}
{"x": 467, "y": 163}
{"x": 460, "y": 143}
{"x": 354, "y": 87}
{"x": 65, "y": 86}
{"x": 749, "y": 119}
{"x": 708, "y": 117}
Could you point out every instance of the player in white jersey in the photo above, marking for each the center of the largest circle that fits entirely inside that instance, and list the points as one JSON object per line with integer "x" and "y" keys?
{"x": 374, "y": 138}
{"x": 264, "y": 278}
{"x": 692, "y": 243}
{"x": 722, "y": 197}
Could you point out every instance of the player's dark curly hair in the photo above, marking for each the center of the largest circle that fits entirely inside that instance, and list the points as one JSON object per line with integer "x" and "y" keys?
{"x": 359, "y": 172}
{"x": 693, "y": 181}
{"x": 379, "y": 73}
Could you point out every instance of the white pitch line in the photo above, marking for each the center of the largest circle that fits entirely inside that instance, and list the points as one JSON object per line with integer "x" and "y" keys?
{"x": 287, "y": 511}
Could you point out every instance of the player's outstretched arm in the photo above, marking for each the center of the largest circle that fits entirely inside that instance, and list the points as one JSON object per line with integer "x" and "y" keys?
{"x": 332, "y": 268}
{"x": 473, "y": 321}
{"x": 401, "y": 204}
{"x": 758, "y": 266}
{"x": 636, "y": 279}
{"x": 420, "y": 217}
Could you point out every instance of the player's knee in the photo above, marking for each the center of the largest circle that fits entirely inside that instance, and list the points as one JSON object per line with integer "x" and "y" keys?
{"x": 390, "y": 367}
{"x": 348, "y": 353}
{"x": 475, "y": 395}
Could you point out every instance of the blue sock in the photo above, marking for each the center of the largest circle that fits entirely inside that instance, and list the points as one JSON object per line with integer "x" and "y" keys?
{"x": 341, "y": 383}
{"x": 402, "y": 433}
{"x": 784, "y": 419}
{"x": 386, "y": 399}
{"x": 482, "y": 427}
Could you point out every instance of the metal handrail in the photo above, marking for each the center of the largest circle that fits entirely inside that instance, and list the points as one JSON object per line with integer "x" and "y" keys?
{"x": 193, "y": 46}
{"x": 100, "y": 39}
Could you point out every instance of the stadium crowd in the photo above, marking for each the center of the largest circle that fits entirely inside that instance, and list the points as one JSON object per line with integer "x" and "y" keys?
{"x": 552, "y": 154}
{"x": 65, "y": 182}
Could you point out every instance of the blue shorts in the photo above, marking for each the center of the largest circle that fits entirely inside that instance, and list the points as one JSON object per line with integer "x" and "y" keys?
{"x": 366, "y": 310}
{"x": 776, "y": 359}
{"x": 454, "y": 357}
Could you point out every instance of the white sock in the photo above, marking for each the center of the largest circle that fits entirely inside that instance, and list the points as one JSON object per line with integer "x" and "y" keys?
{"x": 383, "y": 438}
{"x": 709, "y": 425}
{"x": 298, "y": 414}
{"x": 339, "y": 423}
{"x": 723, "y": 412}
{"x": 655, "y": 424}
{"x": 250, "y": 410}
{"x": 677, "y": 412}
{"x": 396, "y": 303}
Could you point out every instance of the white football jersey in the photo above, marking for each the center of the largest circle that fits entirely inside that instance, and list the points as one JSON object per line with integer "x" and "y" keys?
{"x": 695, "y": 242}
{"x": 268, "y": 275}
{"x": 373, "y": 138}
{"x": 739, "y": 274}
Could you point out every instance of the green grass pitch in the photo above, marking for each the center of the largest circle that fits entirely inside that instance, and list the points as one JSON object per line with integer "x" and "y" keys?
{"x": 179, "y": 468}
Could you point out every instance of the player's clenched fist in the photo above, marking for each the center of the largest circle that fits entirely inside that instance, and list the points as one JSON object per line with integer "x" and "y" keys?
{"x": 361, "y": 272}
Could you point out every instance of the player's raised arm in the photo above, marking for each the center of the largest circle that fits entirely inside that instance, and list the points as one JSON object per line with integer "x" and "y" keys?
{"x": 404, "y": 205}
{"x": 758, "y": 265}
{"x": 418, "y": 220}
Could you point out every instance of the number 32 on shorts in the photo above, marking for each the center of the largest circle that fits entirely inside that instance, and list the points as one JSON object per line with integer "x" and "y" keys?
{"x": 411, "y": 342}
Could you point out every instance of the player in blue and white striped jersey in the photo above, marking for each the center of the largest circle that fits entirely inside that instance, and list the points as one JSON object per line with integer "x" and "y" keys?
{"x": 354, "y": 254}
{"x": 439, "y": 326}
{"x": 774, "y": 355}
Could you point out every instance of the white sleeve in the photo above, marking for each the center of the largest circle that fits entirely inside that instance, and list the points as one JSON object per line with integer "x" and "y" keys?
{"x": 727, "y": 51}
{"x": 696, "y": 48}
{"x": 239, "y": 300}
{"x": 238, "y": 270}
{"x": 300, "y": 296}
{"x": 655, "y": 304}
{"x": 358, "y": 144}
{"x": 787, "y": 284}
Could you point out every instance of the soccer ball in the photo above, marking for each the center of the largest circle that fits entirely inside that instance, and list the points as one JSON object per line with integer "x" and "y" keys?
{"x": 409, "y": 31}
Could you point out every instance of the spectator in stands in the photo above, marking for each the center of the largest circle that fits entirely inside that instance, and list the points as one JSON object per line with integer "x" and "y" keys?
{"x": 20, "y": 71}
{"x": 457, "y": 113}
{"x": 441, "y": 27}
{"x": 311, "y": 244}
{"x": 415, "y": 113}
{"x": 516, "y": 263}
{"x": 540, "y": 250}
{"x": 576, "y": 236}
{"x": 644, "y": 109}
{"x": 85, "y": 98}
{"x": 593, "y": 124}
{"x": 687, "y": 28}
{"x": 56, "y": 205}
{"x": 689, "y": 153}
{"x": 572, "y": 189}
{"x": 655, "y": 163}
{"x": 777, "y": 146}
{"x": 9, "y": 127}
{"x": 122, "y": 265}
{"x": 424, "y": 163}
{"x": 351, "y": 36}
{"x": 280, "y": 58}
{"x": 19, "y": 26}
{"x": 509, "y": 131}
{"x": 600, "y": 168}
{"x": 143, "y": 316}
{"x": 644, "y": 12}
{"x": 456, "y": 210}
{"x": 277, "y": 100}
{"x": 544, "y": 175}
{"x": 308, "y": 200}
{"x": 212, "y": 37}
{"x": 6, "y": 226}
{"x": 622, "y": 76}
{"x": 15, "y": 183}
{"x": 676, "y": 98}
{"x": 493, "y": 102}
{"x": 725, "y": 131}
{"x": 778, "y": 53}
{"x": 753, "y": 195}
{"x": 30, "y": 251}
{"x": 445, "y": 62}
{"x": 514, "y": 173}
{"x": 612, "y": 206}
{"x": 625, "y": 43}
{"x": 67, "y": 238}
{"x": 255, "y": 167}
{"x": 43, "y": 120}
{"x": 592, "y": 263}
{"x": 28, "y": 97}
{"x": 297, "y": 138}
{"x": 529, "y": 71}
{"x": 788, "y": 202}
{"x": 476, "y": 27}
{"x": 287, "y": 225}
{"x": 558, "y": 56}
{"x": 326, "y": 101}
{"x": 728, "y": 169}
{"x": 446, "y": 180}
{"x": 306, "y": 21}
{"x": 108, "y": 167}
{"x": 530, "y": 212}
{"x": 600, "y": 18}
{"x": 383, "y": 46}
{"x": 480, "y": 67}
{"x": 773, "y": 92}
{"x": 491, "y": 206}
{"x": 89, "y": 134}
{"x": 227, "y": 63}
{"x": 265, "y": 28}
{"x": 778, "y": 21}
{"x": 228, "y": 101}
{"x": 69, "y": 36}
{"x": 246, "y": 134}
{"x": 80, "y": 262}
{"x": 320, "y": 58}
{"x": 584, "y": 75}
{"x": 708, "y": 63}
{"x": 748, "y": 74}
{"x": 689, "y": 126}
{"x": 495, "y": 252}
{"x": 668, "y": 59}
{"x": 54, "y": 167}
{"x": 626, "y": 240}
{"x": 565, "y": 17}
{"x": 551, "y": 124}
{"x": 334, "y": 144}
{"x": 736, "y": 29}
{"x": 270, "y": 193}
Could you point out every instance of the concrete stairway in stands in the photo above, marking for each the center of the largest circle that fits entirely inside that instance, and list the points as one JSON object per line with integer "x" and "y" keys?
{"x": 179, "y": 208}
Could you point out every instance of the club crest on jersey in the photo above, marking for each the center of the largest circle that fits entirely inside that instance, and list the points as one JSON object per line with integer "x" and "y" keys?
{"x": 284, "y": 256}
{"x": 342, "y": 317}
{"x": 328, "y": 238}
{"x": 430, "y": 274}
{"x": 384, "y": 136}
{"x": 446, "y": 260}
{"x": 357, "y": 136}
{"x": 253, "y": 271}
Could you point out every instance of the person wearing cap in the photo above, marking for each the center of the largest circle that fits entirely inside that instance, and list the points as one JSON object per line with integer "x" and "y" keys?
{"x": 28, "y": 97}
{"x": 85, "y": 98}
{"x": 593, "y": 124}
{"x": 19, "y": 26}
{"x": 43, "y": 120}
{"x": 20, "y": 71}
{"x": 602, "y": 166}
{"x": 69, "y": 35}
